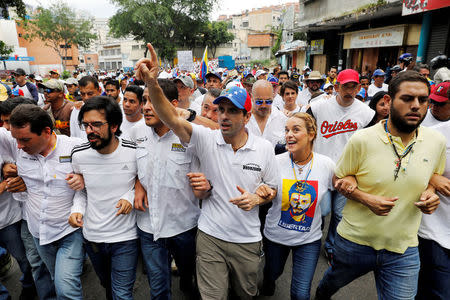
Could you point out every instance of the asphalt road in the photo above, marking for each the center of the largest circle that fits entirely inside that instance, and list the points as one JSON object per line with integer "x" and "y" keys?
{"x": 362, "y": 288}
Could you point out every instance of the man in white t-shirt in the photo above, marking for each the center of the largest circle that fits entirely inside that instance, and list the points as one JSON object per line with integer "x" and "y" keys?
{"x": 266, "y": 122}
{"x": 434, "y": 231}
{"x": 278, "y": 102}
{"x": 439, "y": 109}
{"x": 313, "y": 82}
{"x": 237, "y": 162}
{"x": 337, "y": 119}
{"x": 105, "y": 209}
{"x": 89, "y": 87}
{"x": 378, "y": 84}
{"x": 132, "y": 109}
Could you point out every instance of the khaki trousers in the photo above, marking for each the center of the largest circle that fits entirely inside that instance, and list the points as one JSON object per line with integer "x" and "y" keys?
{"x": 220, "y": 263}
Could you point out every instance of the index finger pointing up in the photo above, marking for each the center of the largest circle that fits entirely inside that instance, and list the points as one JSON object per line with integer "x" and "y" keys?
{"x": 153, "y": 57}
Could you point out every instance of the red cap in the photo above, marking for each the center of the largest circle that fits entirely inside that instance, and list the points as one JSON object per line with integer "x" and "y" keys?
{"x": 348, "y": 75}
{"x": 440, "y": 93}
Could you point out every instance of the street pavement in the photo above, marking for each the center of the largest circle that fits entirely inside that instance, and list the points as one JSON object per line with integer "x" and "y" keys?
{"x": 362, "y": 288}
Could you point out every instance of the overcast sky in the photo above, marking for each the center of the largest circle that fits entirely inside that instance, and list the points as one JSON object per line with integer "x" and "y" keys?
{"x": 104, "y": 8}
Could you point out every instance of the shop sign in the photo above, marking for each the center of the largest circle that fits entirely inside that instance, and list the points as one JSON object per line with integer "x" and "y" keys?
{"x": 387, "y": 37}
{"x": 317, "y": 46}
{"x": 418, "y": 6}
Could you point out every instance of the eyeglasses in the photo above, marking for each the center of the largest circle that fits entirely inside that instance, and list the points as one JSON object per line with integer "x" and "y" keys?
{"x": 48, "y": 91}
{"x": 91, "y": 125}
{"x": 260, "y": 101}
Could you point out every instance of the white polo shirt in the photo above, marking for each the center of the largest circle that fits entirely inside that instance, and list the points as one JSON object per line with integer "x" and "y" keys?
{"x": 274, "y": 130}
{"x": 47, "y": 208}
{"x": 278, "y": 102}
{"x": 10, "y": 209}
{"x": 336, "y": 124}
{"x": 108, "y": 178}
{"x": 289, "y": 225}
{"x": 163, "y": 163}
{"x": 248, "y": 167}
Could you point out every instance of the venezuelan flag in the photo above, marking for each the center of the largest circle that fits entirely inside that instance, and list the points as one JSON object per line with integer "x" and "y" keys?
{"x": 204, "y": 65}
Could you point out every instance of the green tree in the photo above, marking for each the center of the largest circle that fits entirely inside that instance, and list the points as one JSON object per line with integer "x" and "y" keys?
{"x": 167, "y": 24}
{"x": 215, "y": 34}
{"x": 60, "y": 28}
{"x": 5, "y": 51}
{"x": 17, "y": 4}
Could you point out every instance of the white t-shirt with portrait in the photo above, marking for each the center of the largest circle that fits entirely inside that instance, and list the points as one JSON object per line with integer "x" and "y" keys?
{"x": 295, "y": 217}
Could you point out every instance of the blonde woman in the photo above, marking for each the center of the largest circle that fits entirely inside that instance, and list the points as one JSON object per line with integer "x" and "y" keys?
{"x": 294, "y": 221}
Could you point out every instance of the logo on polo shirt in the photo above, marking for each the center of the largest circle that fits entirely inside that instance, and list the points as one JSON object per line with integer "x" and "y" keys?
{"x": 178, "y": 148}
{"x": 252, "y": 167}
{"x": 330, "y": 129}
{"x": 141, "y": 140}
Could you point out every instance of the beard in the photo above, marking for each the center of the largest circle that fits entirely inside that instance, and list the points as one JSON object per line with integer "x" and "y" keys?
{"x": 103, "y": 141}
{"x": 401, "y": 124}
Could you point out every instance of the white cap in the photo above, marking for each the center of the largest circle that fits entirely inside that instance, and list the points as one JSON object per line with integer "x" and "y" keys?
{"x": 259, "y": 73}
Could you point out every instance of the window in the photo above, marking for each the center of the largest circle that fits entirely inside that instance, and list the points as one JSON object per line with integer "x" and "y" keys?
{"x": 102, "y": 65}
{"x": 67, "y": 58}
{"x": 65, "y": 46}
{"x": 245, "y": 24}
{"x": 135, "y": 47}
{"x": 88, "y": 58}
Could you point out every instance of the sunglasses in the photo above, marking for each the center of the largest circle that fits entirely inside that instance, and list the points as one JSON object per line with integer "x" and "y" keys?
{"x": 259, "y": 102}
{"x": 48, "y": 91}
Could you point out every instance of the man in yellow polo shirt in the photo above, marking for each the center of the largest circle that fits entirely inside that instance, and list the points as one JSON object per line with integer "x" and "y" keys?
{"x": 392, "y": 162}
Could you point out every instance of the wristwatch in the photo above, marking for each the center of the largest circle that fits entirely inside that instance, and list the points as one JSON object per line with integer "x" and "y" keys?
{"x": 192, "y": 115}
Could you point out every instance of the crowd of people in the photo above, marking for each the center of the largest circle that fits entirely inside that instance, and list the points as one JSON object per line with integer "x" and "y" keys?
{"x": 225, "y": 176}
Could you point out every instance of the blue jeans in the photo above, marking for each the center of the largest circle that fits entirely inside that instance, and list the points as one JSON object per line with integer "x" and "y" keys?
{"x": 304, "y": 261}
{"x": 11, "y": 240}
{"x": 337, "y": 205}
{"x": 325, "y": 203}
{"x": 434, "y": 275}
{"x": 115, "y": 265}
{"x": 158, "y": 255}
{"x": 396, "y": 275}
{"x": 45, "y": 286}
{"x": 64, "y": 260}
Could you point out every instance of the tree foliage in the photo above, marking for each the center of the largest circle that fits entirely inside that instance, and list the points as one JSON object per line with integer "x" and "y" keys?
{"x": 59, "y": 27}
{"x": 167, "y": 24}
{"x": 215, "y": 34}
{"x": 5, "y": 50}
{"x": 17, "y": 4}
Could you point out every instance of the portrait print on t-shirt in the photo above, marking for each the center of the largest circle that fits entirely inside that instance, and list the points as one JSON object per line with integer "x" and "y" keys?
{"x": 298, "y": 204}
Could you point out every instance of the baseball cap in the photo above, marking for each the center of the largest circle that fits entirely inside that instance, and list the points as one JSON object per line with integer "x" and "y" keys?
{"x": 305, "y": 68}
{"x": 54, "y": 71}
{"x": 396, "y": 68}
{"x": 238, "y": 96}
{"x": 273, "y": 80}
{"x": 440, "y": 93}
{"x": 20, "y": 72}
{"x": 213, "y": 74}
{"x": 361, "y": 94}
{"x": 327, "y": 85}
{"x": 53, "y": 84}
{"x": 186, "y": 80}
{"x": 234, "y": 83}
{"x": 348, "y": 75}
{"x": 38, "y": 78}
{"x": 249, "y": 80}
{"x": 260, "y": 72}
{"x": 71, "y": 80}
{"x": 378, "y": 72}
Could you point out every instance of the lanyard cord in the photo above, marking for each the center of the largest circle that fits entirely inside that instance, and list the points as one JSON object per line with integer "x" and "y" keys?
{"x": 398, "y": 163}
{"x": 303, "y": 183}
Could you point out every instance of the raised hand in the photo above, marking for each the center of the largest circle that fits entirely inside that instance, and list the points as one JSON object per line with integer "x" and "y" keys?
{"x": 148, "y": 69}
